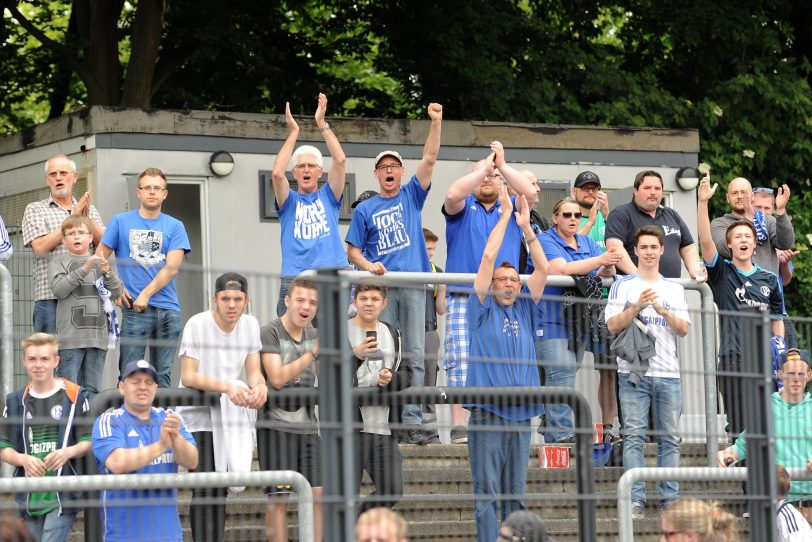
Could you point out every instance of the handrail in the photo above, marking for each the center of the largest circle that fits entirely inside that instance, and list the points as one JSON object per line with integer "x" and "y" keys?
{"x": 683, "y": 474}
{"x": 708, "y": 327}
{"x": 96, "y": 482}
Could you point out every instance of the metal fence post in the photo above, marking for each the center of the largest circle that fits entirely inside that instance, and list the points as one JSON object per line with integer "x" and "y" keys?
{"x": 6, "y": 342}
{"x": 336, "y": 410}
{"x": 708, "y": 318}
{"x": 758, "y": 420}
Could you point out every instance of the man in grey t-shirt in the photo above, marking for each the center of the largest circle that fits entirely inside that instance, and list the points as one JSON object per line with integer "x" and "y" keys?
{"x": 287, "y": 433}
{"x": 376, "y": 346}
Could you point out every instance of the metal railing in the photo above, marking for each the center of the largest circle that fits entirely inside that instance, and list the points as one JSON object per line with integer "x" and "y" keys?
{"x": 708, "y": 326}
{"x": 97, "y": 482}
{"x": 682, "y": 474}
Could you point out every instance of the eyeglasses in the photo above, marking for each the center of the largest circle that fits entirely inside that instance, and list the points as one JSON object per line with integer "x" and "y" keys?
{"x": 568, "y": 214}
{"x": 55, "y": 174}
{"x": 591, "y": 188}
{"x": 76, "y": 233}
{"x": 306, "y": 165}
{"x": 152, "y": 188}
{"x": 493, "y": 176}
{"x": 387, "y": 167}
{"x": 503, "y": 279}
{"x": 762, "y": 190}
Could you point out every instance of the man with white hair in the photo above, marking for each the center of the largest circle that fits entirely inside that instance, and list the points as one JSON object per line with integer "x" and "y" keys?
{"x": 309, "y": 214}
{"x": 42, "y": 232}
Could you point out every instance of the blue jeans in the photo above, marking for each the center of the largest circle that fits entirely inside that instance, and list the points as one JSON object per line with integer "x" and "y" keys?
{"x": 51, "y": 527}
{"x": 560, "y": 364}
{"x": 406, "y": 311}
{"x": 161, "y": 327}
{"x": 498, "y": 451}
{"x": 665, "y": 394}
{"x": 45, "y": 316}
{"x": 83, "y": 366}
{"x": 284, "y": 287}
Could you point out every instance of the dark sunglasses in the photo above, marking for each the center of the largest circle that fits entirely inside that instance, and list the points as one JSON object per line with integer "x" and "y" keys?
{"x": 568, "y": 214}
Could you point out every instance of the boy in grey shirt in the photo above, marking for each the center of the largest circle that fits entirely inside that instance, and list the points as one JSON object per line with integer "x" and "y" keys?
{"x": 289, "y": 356}
{"x": 84, "y": 286}
{"x": 376, "y": 346}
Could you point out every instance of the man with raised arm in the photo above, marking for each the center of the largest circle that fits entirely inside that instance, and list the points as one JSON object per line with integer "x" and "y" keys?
{"x": 738, "y": 286}
{"x": 472, "y": 209}
{"x": 42, "y": 222}
{"x": 502, "y": 354}
{"x": 138, "y": 438}
{"x": 773, "y": 230}
{"x": 386, "y": 234}
{"x": 309, "y": 214}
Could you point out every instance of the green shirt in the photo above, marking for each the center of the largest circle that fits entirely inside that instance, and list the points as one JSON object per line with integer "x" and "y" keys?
{"x": 598, "y": 231}
{"x": 41, "y": 435}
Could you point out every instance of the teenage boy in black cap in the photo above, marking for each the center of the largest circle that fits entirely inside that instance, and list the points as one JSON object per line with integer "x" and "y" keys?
{"x": 216, "y": 346}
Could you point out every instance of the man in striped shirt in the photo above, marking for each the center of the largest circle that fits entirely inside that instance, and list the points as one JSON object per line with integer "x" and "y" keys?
{"x": 42, "y": 221}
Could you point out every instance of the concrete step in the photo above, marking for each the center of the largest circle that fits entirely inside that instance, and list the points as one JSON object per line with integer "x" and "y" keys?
{"x": 437, "y": 503}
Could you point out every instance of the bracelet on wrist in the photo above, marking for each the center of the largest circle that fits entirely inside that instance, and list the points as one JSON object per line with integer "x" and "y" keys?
{"x": 324, "y": 128}
{"x": 528, "y": 241}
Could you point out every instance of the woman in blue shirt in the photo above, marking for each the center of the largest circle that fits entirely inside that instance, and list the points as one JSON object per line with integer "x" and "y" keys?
{"x": 569, "y": 253}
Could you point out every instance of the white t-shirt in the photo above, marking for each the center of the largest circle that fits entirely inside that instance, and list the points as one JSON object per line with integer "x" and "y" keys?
{"x": 792, "y": 526}
{"x": 664, "y": 364}
{"x": 221, "y": 355}
{"x": 375, "y": 418}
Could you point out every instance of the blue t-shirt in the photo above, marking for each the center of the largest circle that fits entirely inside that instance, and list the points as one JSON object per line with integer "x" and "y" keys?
{"x": 310, "y": 236}
{"x": 141, "y": 245}
{"x": 390, "y": 230}
{"x": 157, "y": 518}
{"x": 555, "y": 247}
{"x": 502, "y": 352}
{"x": 467, "y": 232}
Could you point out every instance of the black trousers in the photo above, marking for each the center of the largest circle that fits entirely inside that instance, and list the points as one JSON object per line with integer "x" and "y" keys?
{"x": 207, "y": 511}
{"x": 380, "y": 456}
{"x": 731, "y": 387}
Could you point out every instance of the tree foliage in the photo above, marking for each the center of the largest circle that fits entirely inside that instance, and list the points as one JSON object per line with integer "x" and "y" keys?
{"x": 739, "y": 71}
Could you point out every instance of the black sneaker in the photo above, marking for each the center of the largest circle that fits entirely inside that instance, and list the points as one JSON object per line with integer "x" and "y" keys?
{"x": 416, "y": 436}
{"x": 459, "y": 435}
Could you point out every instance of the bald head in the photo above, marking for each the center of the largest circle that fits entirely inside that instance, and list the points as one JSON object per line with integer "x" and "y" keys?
{"x": 740, "y": 196}
{"x": 534, "y": 199}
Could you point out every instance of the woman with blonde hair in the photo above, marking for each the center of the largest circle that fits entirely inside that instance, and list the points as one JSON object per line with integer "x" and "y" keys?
{"x": 693, "y": 520}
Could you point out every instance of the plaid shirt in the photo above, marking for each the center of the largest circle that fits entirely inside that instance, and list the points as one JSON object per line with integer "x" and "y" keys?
{"x": 41, "y": 218}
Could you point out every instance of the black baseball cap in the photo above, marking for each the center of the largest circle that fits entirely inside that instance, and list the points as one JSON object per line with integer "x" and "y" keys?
{"x": 140, "y": 366}
{"x": 794, "y": 354}
{"x": 365, "y": 195}
{"x": 231, "y": 281}
{"x": 586, "y": 177}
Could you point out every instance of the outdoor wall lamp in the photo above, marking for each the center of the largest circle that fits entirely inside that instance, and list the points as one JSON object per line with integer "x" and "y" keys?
{"x": 221, "y": 164}
{"x": 687, "y": 178}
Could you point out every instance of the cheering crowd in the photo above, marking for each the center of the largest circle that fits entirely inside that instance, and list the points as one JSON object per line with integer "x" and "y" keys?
{"x": 499, "y": 332}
